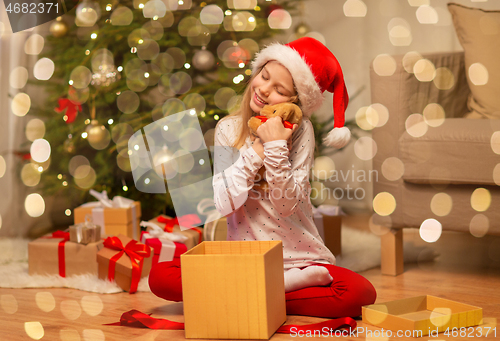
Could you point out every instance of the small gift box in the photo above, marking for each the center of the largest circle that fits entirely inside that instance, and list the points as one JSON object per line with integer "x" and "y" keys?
{"x": 55, "y": 254}
{"x": 117, "y": 216}
{"x": 328, "y": 220}
{"x": 85, "y": 233}
{"x": 182, "y": 225}
{"x": 125, "y": 261}
{"x": 164, "y": 247}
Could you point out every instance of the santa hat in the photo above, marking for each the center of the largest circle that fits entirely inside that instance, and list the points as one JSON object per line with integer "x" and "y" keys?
{"x": 314, "y": 69}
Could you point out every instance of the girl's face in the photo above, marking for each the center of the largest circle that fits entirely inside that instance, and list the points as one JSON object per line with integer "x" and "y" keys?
{"x": 273, "y": 85}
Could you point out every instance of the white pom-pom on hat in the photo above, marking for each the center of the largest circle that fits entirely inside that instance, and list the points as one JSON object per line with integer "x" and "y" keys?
{"x": 314, "y": 69}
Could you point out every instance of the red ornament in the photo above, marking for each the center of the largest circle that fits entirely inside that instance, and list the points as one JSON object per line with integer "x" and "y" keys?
{"x": 72, "y": 108}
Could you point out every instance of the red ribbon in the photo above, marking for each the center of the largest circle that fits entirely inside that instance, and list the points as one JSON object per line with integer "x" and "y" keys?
{"x": 72, "y": 108}
{"x": 136, "y": 252}
{"x": 285, "y": 123}
{"x": 137, "y": 319}
{"x": 187, "y": 220}
{"x": 60, "y": 250}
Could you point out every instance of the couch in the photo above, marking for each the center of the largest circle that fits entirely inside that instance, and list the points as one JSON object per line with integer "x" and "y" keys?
{"x": 432, "y": 162}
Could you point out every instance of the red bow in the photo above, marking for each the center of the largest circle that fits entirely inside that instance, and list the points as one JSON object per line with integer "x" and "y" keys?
{"x": 72, "y": 108}
{"x": 60, "y": 250}
{"x": 137, "y": 319}
{"x": 135, "y": 251}
{"x": 286, "y": 124}
{"x": 187, "y": 220}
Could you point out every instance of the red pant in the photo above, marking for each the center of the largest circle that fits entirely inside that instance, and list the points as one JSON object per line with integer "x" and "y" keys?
{"x": 344, "y": 297}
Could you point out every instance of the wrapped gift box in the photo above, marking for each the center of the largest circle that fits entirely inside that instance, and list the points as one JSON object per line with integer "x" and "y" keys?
{"x": 329, "y": 223}
{"x": 84, "y": 233}
{"x": 113, "y": 220}
{"x": 422, "y": 315}
{"x": 50, "y": 255}
{"x": 215, "y": 230}
{"x": 112, "y": 256}
{"x": 194, "y": 234}
{"x": 164, "y": 250}
{"x": 233, "y": 289}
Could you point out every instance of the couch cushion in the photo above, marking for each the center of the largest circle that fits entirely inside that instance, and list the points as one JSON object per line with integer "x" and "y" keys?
{"x": 459, "y": 151}
{"x": 479, "y": 34}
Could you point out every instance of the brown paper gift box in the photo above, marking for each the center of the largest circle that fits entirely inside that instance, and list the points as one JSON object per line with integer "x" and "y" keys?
{"x": 123, "y": 268}
{"x": 192, "y": 234}
{"x": 116, "y": 220}
{"x": 43, "y": 257}
{"x": 233, "y": 289}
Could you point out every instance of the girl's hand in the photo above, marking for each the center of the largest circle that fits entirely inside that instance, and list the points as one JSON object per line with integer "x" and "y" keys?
{"x": 258, "y": 147}
{"x": 273, "y": 130}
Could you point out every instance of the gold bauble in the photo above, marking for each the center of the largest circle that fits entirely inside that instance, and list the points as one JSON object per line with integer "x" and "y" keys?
{"x": 58, "y": 28}
{"x": 97, "y": 135}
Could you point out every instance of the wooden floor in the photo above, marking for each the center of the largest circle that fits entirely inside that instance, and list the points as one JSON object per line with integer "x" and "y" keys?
{"x": 467, "y": 270}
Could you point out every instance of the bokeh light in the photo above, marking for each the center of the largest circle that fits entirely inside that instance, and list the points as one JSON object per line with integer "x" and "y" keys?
{"x": 44, "y": 69}
{"x": 377, "y": 114}
{"x": 424, "y": 70}
{"x": 128, "y": 102}
{"x": 384, "y": 65}
{"x": 384, "y": 203}
{"x": 245, "y": 21}
{"x": 478, "y": 74}
{"x": 18, "y": 77}
{"x": 21, "y": 104}
{"x": 399, "y": 32}
{"x": 480, "y": 199}
{"x": 35, "y": 129}
{"x": 69, "y": 334}
{"x": 170, "y": 107}
{"x": 155, "y": 29}
{"x": 34, "y": 44}
{"x": 365, "y": 148}
{"x": 361, "y": 119}
{"x": 279, "y": 19}
{"x": 180, "y": 82}
{"x": 222, "y": 97}
{"x": 418, "y": 3}
{"x": 34, "y": 205}
{"x": 8, "y": 304}
{"x": 191, "y": 139}
{"x": 122, "y": 16}
{"x": 154, "y": 8}
{"x": 377, "y": 315}
{"x": 30, "y": 175}
{"x": 441, "y": 204}
{"x": 416, "y": 126}
{"x": 81, "y": 77}
{"x": 496, "y": 173}
{"x": 440, "y": 316}
{"x": 355, "y": 8}
{"x": 92, "y": 305}
{"x": 444, "y": 79}
{"x": 40, "y": 150}
{"x": 71, "y": 309}
{"x": 242, "y": 4}
{"x": 430, "y": 230}
{"x": 379, "y": 229}
{"x": 434, "y": 114}
{"x": 323, "y": 168}
{"x": 495, "y": 142}
{"x": 195, "y": 101}
{"x": 409, "y": 60}
{"x": 94, "y": 334}
{"x": 45, "y": 301}
{"x": 3, "y": 166}
{"x": 393, "y": 168}
{"x": 211, "y": 15}
{"x": 34, "y": 330}
{"x": 87, "y": 181}
{"x": 178, "y": 56}
{"x": 319, "y": 193}
{"x": 479, "y": 225}
{"x": 427, "y": 15}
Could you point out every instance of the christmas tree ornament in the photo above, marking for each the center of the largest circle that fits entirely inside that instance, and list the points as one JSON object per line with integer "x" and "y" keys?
{"x": 203, "y": 60}
{"x": 72, "y": 109}
{"x": 58, "y": 28}
{"x": 97, "y": 135}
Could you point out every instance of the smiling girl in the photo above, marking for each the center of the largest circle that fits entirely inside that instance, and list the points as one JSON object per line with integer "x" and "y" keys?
{"x": 297, "y": 72}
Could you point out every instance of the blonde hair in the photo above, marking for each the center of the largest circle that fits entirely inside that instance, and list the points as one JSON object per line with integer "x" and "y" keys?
{"x": 245, "y": 112}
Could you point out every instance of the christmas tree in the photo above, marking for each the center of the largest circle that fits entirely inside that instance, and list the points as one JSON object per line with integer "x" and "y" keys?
{"x": 119, "y": 66}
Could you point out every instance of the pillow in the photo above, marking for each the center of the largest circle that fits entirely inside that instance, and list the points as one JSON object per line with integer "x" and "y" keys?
{"x": 479, "y": 34}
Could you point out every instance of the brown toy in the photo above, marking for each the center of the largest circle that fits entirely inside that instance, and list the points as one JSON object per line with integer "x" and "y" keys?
{"x": 290, "y": 114}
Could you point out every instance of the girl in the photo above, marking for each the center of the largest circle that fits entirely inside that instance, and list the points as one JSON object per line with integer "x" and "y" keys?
{"x": 296, "y": 72}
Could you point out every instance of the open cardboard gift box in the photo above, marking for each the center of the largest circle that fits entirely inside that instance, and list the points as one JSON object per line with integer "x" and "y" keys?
{"x": 233, "y": 289}
{"x": 423, "y": 313}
